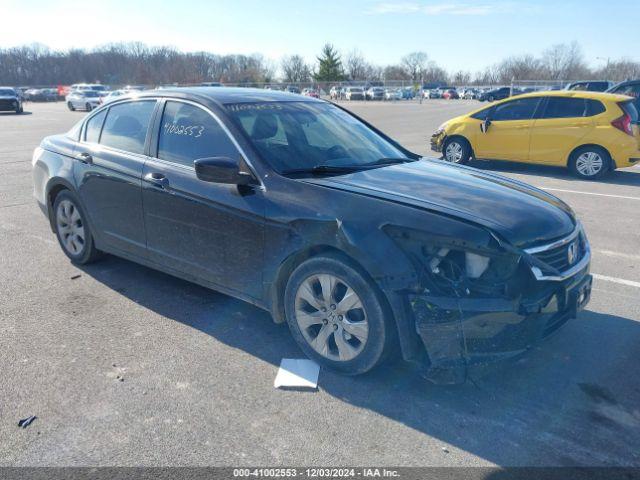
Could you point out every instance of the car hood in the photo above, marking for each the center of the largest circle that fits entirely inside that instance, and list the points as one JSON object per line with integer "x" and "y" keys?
{"x": 8, "y": 97}
{"x": 519, "y": 213}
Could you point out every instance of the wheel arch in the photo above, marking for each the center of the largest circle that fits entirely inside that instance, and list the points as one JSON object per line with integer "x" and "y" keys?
{"x": 297, "y": 258}
{"x": 291, "y": 263}
{"x": 612, "y": 164}
{"x": 54, "y": 187}
{"x": 458, "y": 136}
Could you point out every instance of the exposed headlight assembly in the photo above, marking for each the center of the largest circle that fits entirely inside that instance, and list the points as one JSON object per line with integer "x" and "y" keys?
{"x": 457, "y": 268}
{"x": 440, "y": 129}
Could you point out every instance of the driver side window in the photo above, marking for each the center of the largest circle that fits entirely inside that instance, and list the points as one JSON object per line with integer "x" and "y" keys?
{"x": 521, "y": 109}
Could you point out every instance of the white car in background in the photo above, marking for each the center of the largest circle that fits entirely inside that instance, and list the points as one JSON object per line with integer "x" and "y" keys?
{"x": 84, "y": 87}
{"x": 83, "y": 100}
{"x": 114, "y": 95}
{"x": 393, "y": 94}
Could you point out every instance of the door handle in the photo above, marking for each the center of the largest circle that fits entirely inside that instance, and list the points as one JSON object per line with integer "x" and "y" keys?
{"x": 85, "y": 158}
{"x": 157, "y": 179}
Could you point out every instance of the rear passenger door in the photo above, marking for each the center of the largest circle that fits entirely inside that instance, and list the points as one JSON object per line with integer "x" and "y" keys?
{"x": 210, "y": 231}
{"x": 560, "y": 128}
{"x": 108, "y": 171}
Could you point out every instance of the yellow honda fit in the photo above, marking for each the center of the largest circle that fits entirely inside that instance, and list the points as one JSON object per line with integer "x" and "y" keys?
{"x": 589, "y": 132}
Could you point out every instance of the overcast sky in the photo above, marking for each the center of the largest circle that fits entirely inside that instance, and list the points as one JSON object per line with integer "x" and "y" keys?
{"x": 465, "y": 35}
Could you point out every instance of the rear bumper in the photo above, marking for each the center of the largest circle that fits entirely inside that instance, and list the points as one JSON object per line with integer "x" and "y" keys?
{"x": 462, "y": 333}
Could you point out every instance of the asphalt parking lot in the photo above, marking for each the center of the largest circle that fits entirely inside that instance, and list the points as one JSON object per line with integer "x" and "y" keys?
{"x": 123, "y": 365}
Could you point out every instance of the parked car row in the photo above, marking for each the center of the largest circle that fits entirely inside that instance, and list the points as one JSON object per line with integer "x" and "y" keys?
{"x": 370, "y": 93}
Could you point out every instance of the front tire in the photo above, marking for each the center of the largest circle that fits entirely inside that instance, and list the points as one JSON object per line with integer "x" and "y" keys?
{"x": 73, "y": 230}
{"x": 456, "y": 150}
{"x": 336, "y": 315}
{"x": 71, "y": 107}
{"x": 590, "y": 162}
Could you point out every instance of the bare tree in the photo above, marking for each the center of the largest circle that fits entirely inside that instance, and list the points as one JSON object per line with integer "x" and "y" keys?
{"x": 295, "y": 69}
{"x": 525, "y": 67}
{"x": 564, "y": 62}
{"x": 356, "y": 66}
{"x": 415, "y": 64}
{"x": 396, "y": 72}
{"x": 461, "y": 77}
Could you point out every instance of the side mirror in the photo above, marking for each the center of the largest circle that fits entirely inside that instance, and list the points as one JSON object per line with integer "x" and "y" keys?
{"x": 221, "y": 170}
{"x": 484, "y": 126}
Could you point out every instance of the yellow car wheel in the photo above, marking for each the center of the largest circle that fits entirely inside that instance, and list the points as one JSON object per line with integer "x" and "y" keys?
{"x": 590, "y": 162}
{"x": 456, "y": 150}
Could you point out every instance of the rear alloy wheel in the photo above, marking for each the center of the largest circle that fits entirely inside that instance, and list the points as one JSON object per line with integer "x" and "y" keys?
{"x": 336, "y": 316}
{"x": 456, "y": 150}
{"x": 73, "y": 232}
{"x": 590, "y": 163}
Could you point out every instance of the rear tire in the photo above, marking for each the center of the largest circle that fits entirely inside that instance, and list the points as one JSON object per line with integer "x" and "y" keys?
{"x": 590, "y": 162}
{"x": 88, "y": 107}
{"x": 337, "y": 316}
{"x": 456, "y": 150}
{"x": 72, "y": 229}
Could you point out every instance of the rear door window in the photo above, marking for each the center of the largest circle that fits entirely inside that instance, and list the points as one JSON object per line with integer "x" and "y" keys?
{"x": 521, "y": 109}
{"x": 94, "y": 127}
{"x": 594, "y": 107}
{"x": 126, "y": 126}
{"x": 562, "y": 107}
{"x": 188, "y": 132}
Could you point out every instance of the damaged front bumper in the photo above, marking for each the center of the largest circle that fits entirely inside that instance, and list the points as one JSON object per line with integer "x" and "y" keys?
{"x": 437, "y": 141}
{"x": 459, "y": 333}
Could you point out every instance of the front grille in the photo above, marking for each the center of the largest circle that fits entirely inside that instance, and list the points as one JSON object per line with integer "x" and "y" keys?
{"x": 560, "y": 258}
{"x": 7, "y": 104}
{"x": 567, "y": 256}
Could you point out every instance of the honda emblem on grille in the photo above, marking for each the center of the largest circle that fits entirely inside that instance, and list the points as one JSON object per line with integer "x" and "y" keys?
{"x": 572, "y": 253}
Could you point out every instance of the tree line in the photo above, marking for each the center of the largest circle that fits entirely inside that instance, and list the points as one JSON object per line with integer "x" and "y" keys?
{"x": 137, "y": 63}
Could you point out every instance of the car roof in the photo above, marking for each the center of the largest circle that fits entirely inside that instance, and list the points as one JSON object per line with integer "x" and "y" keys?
{"x": 574, "y": 93}
{"x": 224, "y": 95}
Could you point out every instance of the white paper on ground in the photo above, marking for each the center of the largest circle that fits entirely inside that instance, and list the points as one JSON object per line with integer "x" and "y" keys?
{"x": 297, "y": 373}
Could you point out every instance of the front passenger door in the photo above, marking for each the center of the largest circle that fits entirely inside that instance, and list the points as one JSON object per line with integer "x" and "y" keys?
{"x": 210, "y": 231}
{"x": 507, "y": 136}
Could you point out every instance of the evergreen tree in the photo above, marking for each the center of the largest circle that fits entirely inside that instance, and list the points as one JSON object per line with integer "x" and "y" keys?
{"x": 329, "y": 65}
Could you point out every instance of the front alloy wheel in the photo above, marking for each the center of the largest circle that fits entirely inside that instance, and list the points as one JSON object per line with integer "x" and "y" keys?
{"x": 336, "y": 314}
{"x": 331, "y": 317}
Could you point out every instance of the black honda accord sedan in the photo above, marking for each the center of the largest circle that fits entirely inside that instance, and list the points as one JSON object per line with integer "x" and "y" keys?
{"x": 303, "y": 209}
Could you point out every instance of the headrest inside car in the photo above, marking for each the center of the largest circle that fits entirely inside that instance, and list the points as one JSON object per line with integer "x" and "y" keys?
{"x": 126, "y": 125}
{"x": 265, "y": 126}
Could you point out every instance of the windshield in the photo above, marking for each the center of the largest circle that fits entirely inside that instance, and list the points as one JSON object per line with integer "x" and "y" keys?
{"x": 7, "y": 91}
{"x": 303, "y": 135}
{"x": 90, "y": 93}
